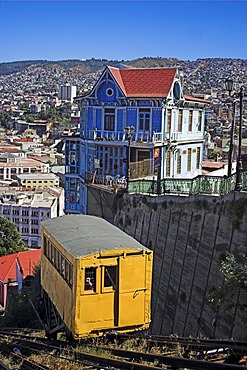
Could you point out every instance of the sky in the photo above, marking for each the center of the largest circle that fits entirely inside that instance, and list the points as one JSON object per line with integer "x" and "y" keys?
{"x": 122, "y": 30}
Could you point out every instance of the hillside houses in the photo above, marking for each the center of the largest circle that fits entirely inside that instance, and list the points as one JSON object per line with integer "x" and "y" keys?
{"x": 35, "y": 90}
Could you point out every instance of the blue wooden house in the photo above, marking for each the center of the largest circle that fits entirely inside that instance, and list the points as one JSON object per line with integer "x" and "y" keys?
{"x": 135, "y": 123}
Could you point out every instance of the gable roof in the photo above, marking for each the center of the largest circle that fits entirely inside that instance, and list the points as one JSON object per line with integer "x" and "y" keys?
{"x": 8, "y": 155}
{"x": 27, "y": 260}
{"x": 148, "y": 82}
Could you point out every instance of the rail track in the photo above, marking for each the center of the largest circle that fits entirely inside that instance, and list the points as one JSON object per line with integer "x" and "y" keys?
{"x": 114, "y": 352}
{"x": 200, "y": 345}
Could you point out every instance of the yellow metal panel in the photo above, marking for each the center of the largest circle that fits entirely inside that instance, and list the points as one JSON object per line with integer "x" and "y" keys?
{"x": 131, "y": 308}
{"x": 149, "y": 266}
{"x": 60, "y": 293}
{"x": 132, "y": 271}
{"x": 95, "y": 310}
{"x": 132, "y": 290}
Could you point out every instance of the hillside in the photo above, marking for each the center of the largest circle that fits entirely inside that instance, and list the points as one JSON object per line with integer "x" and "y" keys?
{"x": 200, "y": 76}
{"x": 85, "y": 66}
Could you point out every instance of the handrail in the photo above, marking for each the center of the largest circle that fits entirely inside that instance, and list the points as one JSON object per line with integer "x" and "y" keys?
{"x": 211, "y": 185}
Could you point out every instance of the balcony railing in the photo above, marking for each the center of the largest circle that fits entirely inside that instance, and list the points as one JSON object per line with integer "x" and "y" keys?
{"x": 211, "y": 185}
{"x": 120, "y": 136}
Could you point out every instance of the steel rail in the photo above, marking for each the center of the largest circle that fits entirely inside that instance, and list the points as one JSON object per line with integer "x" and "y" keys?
{"x": 200, "y": 340}
{"x": 3, "y": 366}
{"x": 191, "y": 342}
{"x": 175, "y": 338}
{"x": 164, "y": 359}
{"x": 68, "y": 359}
{"x": 176, "y": 362}
{"x": 80, "y": 357}
{"x": 26, "y": 364}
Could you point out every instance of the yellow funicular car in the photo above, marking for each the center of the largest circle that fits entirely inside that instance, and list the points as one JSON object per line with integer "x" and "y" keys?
{"x": 95, "y": 278}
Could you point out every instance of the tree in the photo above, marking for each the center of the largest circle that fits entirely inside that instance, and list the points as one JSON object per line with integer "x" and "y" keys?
{"x": 10, "y": 239}
{"x": 24, "y": 106}
{"x": 29, "y": 118}
{"x": 234, "y": 269}
{"x": 6, "y": 120}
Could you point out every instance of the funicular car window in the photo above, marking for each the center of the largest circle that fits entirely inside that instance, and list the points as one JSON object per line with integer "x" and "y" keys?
{"x": 90, "y": 279}
{"x": 45, "y": 246}
{"x": 110, "y": 277}
{"x": 62, "y": 266}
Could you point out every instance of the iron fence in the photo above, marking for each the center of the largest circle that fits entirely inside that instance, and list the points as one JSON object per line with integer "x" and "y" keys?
{"x": 212, "y": 185}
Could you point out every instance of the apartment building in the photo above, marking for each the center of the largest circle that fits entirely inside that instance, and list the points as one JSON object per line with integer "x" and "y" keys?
{"x": 27, "y": 210}
{"x": 67, "y": 92}
{"x": 12, "y": 165}
{"x": 37, "y": 180}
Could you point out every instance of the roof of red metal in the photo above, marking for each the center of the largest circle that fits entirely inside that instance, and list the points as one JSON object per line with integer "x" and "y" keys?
{"x": 149, "y": 82}
{"x": 27, "y": 261}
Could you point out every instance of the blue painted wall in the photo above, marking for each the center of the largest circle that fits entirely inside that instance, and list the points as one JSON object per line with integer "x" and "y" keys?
{"x": 156, "y": 119}
{"x": 110, "y": 147}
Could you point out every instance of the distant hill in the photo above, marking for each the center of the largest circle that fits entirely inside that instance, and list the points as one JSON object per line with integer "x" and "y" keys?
{"x": 200, "y": 76}
{"x": 85, "y": 66}
{"x": 13, "y": 67}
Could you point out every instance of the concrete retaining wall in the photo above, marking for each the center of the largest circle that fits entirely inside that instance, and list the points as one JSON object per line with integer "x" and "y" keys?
{"x": 189, "y": 236}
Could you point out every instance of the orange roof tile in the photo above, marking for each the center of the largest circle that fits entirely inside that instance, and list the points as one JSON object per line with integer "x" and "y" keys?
{"x": 27, "y": 260}
{"x": 26, "y": 162}
{"x": 194, "y": 98}
{"x": 212, "y": 165}
{"x": 149, "y": 82}
{"x": 9, "y": 150}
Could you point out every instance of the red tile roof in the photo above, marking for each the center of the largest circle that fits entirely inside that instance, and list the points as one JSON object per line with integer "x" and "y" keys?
{"x": 27, "y": 260}
{"x": 212, "y": 165}
{"x": 24, "y": 162}
{"x": 150, "y": 82}
{"x": 9, "y": 150}
{"x": 194, "y": 98}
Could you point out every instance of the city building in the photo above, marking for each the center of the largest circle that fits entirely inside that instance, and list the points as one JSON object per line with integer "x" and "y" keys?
{"x": 6, "y": 148}
{"x": 37, "y": 108}
{"x": 28, "y": 141}
{"x": 36, "y": 180}
{"x": 134, "y": 116}
{"x": 41, "y": 127}
{"x": 12, "y": 165}
{"x": 67, "y": 92}
{"x": 27, "y": 209}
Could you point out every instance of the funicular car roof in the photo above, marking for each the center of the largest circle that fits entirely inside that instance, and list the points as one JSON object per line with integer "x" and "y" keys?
{"x": 83, "y": 235}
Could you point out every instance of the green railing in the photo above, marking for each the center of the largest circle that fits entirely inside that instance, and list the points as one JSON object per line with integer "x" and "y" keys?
{"x": 214, "y": 185}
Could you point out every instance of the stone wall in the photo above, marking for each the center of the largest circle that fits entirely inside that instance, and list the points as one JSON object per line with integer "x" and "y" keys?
{"x": 189, "y": 236}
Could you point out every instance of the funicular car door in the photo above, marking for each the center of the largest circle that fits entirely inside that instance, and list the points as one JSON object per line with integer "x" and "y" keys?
{"x": 131, "y": 290}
